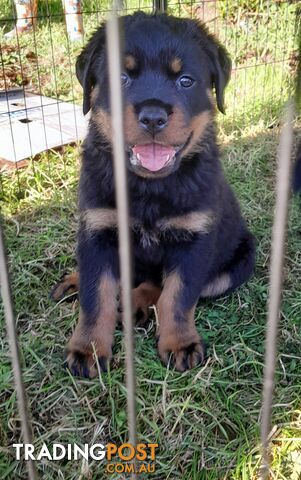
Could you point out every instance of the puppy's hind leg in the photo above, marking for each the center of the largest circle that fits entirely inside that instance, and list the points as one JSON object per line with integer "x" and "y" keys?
{"x": 66, "y": 288}
{"x": 237, "y": 272}
{"x": 144, "y": 296}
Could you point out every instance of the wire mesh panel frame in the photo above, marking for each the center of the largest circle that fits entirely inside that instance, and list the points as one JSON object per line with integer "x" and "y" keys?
{"x": 49, "y": 15}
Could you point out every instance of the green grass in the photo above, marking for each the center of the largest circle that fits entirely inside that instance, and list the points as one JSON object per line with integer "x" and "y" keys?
{"x": 205, "y": 421}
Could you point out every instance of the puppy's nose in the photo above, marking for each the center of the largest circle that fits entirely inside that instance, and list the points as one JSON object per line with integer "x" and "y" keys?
{"x": 153, "y": 119}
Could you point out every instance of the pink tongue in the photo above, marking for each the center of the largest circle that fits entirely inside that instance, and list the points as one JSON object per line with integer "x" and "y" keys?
{"x": 153, "y": 156}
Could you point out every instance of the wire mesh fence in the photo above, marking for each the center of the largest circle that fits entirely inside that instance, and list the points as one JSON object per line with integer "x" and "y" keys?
{"x": 263, "y": 45}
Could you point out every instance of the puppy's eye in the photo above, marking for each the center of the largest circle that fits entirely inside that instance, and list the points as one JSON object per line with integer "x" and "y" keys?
{"x": 186, "y": 81}
{"x": 125, "y": 79}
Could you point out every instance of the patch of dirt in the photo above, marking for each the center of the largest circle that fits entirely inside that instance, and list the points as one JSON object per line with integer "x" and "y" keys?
{"x": 19, "y": 69}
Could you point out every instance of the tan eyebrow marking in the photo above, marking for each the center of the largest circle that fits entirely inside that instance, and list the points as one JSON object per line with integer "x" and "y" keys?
{"x": 176, "y": 65}
{"x": 130, "y": 62}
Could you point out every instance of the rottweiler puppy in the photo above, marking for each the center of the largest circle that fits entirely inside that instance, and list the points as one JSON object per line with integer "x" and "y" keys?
{"x": 190, "y": 240}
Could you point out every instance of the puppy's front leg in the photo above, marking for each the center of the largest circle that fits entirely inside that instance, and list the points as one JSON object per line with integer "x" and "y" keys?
{"x": 177, "y": 334}
{"x": 98, "y": 289}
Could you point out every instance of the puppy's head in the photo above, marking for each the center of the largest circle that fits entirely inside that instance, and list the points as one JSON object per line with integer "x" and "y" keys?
{"x": 170, "y": 67}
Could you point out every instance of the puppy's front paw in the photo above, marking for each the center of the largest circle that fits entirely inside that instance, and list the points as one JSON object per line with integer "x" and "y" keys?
{"x": 84, "y": 364}
{"x": 185, "y": 354}
{"x": 81, "y": 359}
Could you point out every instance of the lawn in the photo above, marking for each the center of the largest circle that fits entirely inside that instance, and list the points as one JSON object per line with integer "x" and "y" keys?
{"x": 205, "y": 421}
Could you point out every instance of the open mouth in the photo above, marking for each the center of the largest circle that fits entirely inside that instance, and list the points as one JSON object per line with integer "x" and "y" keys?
{"x": 153, "y": 156}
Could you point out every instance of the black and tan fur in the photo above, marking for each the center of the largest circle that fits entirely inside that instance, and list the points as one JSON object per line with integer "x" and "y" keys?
{"x": 189, "y": 237}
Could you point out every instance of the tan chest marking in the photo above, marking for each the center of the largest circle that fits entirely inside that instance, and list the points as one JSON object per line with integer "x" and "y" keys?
{"x": 100, "y": 218}
{"x": 191, "y": 222}
{"x": 178, "y": 227}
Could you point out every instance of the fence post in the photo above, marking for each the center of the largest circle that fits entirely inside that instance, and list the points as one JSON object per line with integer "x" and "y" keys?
{"x": 120, "y": 171}
{"x": 160, "y": 6}
{"x": 15, "y": 353}
{"x": 283, "y": 185}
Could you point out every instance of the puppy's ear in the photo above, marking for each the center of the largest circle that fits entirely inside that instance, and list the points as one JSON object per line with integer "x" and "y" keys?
{"x": 86, "y": 65}
{"x": 219, "y": 61}
{"x": 221, "y": 72}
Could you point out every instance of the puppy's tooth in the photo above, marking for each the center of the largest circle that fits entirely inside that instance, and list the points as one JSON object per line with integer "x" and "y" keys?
{"x": 138, "y": 156}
